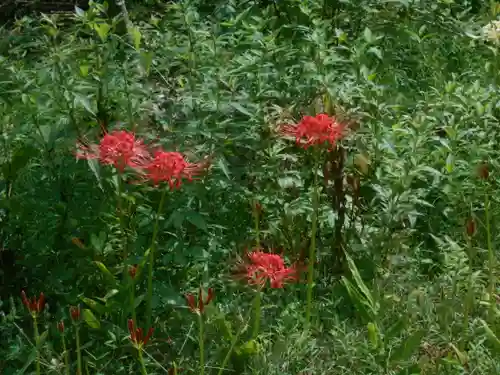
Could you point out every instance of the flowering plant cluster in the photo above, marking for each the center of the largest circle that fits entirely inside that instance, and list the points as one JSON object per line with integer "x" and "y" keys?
{"x": 260, "y": 268}
{"x": 122, "y": 149}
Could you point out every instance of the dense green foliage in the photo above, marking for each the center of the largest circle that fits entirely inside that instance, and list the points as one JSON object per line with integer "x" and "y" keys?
{"x": 406, "y": 239}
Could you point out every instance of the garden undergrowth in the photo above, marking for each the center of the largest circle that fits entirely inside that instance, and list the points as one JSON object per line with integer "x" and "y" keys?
{"x": 251, "y": 187}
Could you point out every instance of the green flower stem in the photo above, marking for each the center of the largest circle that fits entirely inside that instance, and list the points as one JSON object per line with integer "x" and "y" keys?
{"x": 234, "y": 341}
{"x": 469, "y": 299}
{"x": 66, "y": 355}
{"x": 37, "y": 343}
{"x": 121, "y": 217}
{"x": 78, "y": 351}
{"x": 491, "y": 258}
{"x": 201, "y": 342}
{"x": 257, "y": 227}
{"x": 132, "y": 299}
{"x": 257, "y": 302}
{"x": 141, "y": 361}
{"x": 149, "y": 309}
{"x": 312, "y": 249}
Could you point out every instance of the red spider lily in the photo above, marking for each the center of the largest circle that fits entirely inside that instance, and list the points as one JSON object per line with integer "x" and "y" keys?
{"x": 75, "y": 313}
{"x": 132, "y": 271}
{"x": 119, "y": 148}
{"x": 262, "y": 267}
{"x": 60, "y": 326}
{"x": 35, "y": 306}
{"x": 170, "y": 167}
{"x": 200, "y": 308}
{"x": 315, "y": 130}
{"x": 136, "y": 335}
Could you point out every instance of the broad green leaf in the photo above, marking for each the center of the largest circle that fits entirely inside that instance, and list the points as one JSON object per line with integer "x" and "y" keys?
{"x": 84, "y": 102}
{"x": 197, "y": 220}
{"x": 96, "y": 170}
{"x": 96, "y": 306}
{"x": 136, "y": 36}
{"x": 106, "y": 273}
{"x": 222, "y": 164}
{"x": 241, "y": 109}
{"x": 359, "y": 281}
{"x": 492, "y": 337}
{"x": 368, "y": 35}
{"x": 90, "y": 319}
{"x": 102, "y": 30}
{"x": 373, "y": 334}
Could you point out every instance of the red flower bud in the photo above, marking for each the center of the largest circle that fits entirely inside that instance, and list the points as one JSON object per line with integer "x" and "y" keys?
{"x": 470, "y": 227}
{"x": 483, "y": 172}
{"x": 35, "y": 306}
{"x": 60, "y": 326}
{"x": 75, "y": 313}
{"x": 136, "y": 334}
{"x": 132, "y": 271}
{"x": 200, "y": 307}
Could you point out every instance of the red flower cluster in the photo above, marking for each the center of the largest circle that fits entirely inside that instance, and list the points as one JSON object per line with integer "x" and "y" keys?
{"x": 35, "y": 306}
{"x": 136, "y": 334}
{"x": 121, "y": 149}
{"x": 200, "y": 307}
{"x": 315, "y": 130}
{"x": 169, "y": 167}
{"x": 262, "y": 267}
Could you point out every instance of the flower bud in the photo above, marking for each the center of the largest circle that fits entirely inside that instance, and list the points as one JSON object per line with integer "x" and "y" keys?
{"x": 483, "y": 172}
{"x": 470, "y": 227}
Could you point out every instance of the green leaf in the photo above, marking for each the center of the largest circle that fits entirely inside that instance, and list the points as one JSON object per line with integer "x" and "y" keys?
{"x": 102, "y": 30}
{"x": 97, "y": 307}
{"x": 492, "y": 337}
{"x": 106, "y": 273}
{"x": 241, "y": 109}
{"x": 395, "y": 329}
{"x": 96, "y": 170}
{"x": 84, "y": 102}
{"x": 90, "y": 319}
{"x": 373, "y": 334}
{"x": 146, "y": 61}
{"x": 368, "y": 35}
{"x": 404, "y": 351}
{"x": 222, "y": 164}
{"x": 197, "y": 220}
{"x": 79, "y": 11}
{"x": 359, "y": 281}
{"x": 136, "y": 36}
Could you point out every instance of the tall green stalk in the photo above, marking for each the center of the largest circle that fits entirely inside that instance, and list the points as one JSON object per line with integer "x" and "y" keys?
{"x": 312, "y": 249}
{"x": 469, "y": 299}
{"x": 201, "y": 343}
{"x": 258, "y": 296}
{"x": 257, "y": 310}
{"x": 149, "y": 309}
{"x": 37, "y": 343}
{"x": 66, "y": 355}
{"x": 491, "y": 258}
{"x": 132, "y": 299}
{"x": 78, "y": 350}
{"x": 234, "y": 341}
{"x": 141, "y": 361}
